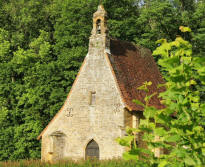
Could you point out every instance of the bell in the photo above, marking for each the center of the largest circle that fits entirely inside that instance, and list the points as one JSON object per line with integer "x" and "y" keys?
{"x": 98, "y": 27}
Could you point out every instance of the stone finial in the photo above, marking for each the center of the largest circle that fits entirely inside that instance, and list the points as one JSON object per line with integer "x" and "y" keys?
{"x": 101, "y": 8}
{"x": 100, "y": 12}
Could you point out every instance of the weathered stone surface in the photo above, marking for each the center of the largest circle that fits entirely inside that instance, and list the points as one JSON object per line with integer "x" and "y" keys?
{"x": 79, "y": 121}
{"x": 95, "y": 109}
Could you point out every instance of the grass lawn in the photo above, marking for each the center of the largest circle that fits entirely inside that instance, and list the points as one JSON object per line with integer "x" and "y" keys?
{"x": 38, "y": 163}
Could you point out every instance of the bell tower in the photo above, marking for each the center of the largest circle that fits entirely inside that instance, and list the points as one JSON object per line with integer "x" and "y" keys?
{"x": 100, "y": 22}
{"x": 99, "y": 38}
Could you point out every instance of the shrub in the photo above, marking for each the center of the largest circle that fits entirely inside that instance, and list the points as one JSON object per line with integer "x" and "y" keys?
{"x": 178, "y": 128}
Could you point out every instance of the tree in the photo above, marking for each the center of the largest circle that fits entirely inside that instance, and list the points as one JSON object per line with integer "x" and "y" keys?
{"x": 43, "y": 43}
{"x": 179, "y": 127}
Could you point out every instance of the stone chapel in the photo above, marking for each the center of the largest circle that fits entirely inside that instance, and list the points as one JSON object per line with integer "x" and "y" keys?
{"x": 100, "y": 104}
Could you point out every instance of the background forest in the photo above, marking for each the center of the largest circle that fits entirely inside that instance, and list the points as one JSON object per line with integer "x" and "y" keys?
{"x": 42, "y": 45}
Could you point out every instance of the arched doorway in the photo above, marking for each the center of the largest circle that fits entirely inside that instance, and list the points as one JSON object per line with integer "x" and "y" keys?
{"x": 56, "y": 146}
{"x": 92, "y": 150}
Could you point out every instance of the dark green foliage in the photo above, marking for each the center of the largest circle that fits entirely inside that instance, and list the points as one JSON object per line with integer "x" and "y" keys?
{"x": 122, "y": 18}
{"x": 43, "y": 43}
{"x": 158, "y": 19}
{"x": 42, "y": 47}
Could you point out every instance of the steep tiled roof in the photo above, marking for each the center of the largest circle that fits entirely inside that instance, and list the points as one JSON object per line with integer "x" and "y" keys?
{"x": 132, "y": 66}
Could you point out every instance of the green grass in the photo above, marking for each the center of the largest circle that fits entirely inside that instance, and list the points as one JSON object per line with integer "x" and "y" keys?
{"x": 38, "y": 163}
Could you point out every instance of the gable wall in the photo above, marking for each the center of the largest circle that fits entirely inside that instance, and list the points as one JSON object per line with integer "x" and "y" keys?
{"x": 102, "y": 122}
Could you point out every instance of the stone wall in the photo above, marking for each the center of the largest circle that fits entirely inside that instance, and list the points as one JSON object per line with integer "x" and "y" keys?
{"x": 80, "y": 121}
{"x": 93, "y": 110}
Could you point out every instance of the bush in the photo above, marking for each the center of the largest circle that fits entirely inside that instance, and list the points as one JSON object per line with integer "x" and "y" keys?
{"x": 178, "y": 128}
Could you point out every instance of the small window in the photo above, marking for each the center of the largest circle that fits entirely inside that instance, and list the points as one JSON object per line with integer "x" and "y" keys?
{"x": 92, "y": 98}
{"x": 98, "y": 26}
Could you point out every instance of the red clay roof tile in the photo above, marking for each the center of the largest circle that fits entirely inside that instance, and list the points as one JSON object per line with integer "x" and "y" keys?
{"x": 133, "y": 66}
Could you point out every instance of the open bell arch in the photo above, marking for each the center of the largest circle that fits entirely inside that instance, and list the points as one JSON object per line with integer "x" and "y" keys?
{"x": 98, "y": 26}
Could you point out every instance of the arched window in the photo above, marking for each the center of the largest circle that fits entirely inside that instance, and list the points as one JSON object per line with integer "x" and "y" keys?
{"x": 92, "y": 150}
{"x": 98, "y": 26}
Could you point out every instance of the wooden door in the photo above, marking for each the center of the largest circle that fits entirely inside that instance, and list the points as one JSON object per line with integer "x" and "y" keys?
{"x": 92, "y": 150}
